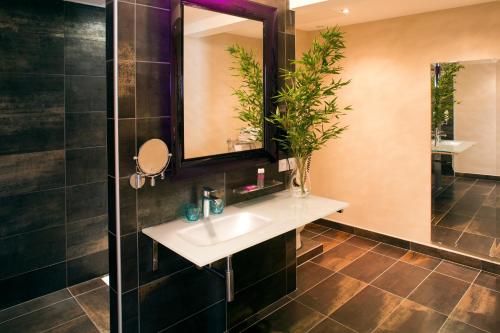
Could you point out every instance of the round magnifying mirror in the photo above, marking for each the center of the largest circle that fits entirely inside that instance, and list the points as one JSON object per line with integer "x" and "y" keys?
{"x": 153, "y": 157}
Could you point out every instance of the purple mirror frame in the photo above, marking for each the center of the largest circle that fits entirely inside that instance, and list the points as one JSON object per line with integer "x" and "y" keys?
{"x": 236, "y": 160}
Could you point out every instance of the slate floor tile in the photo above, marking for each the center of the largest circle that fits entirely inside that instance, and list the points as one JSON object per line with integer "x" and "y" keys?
{"x": 390, "y": 251}
{"x": 439, "y": 292}
{"x": 293, "y": 318}
{"x": 421, "y": 260}
{"x": 331, "y": 294}
{"x": 330, "y": 326}
{"x": 414, "y": 318}
{"x": 480, "y": 307}
{"x": 328, "y": 243}
{"x": 365, "y": 311}
{"x": 96, "y": 305}
{"x": 362, "y": 242}
{"x": 401, "y": 279}
{"x": 368, "y": 267}
{"x": 339, "y": 257}
{"x": 309, "y": 274}
{"x": 461, "y": 272}
{"x": 454, "y": 326}
{"x": 45, "y": 318}
{"x": 488, "y": 280}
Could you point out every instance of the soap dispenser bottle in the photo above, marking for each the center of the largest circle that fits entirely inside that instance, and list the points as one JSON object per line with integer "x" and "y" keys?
{"x": 260, "y": 177}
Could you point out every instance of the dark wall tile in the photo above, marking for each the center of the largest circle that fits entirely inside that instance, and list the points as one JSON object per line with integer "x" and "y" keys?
{"x": 83, "y": 21}
{"x": 17, "y": 253}
{"x": 32, "y": 37}
{"x": 109, "y": 30}
{"x": 130, "y": 306}
{"x": 85, "y": 201}
{"x": 87, "y": 236}
{"x": 149, "y": 128}
{"x": 192, "y": 288}
{"x": 153, "y": 90}
{"x": 126, "y": 89}
{"x": 259, "y": 261}
{"x": 169, "y": 262}
{"x": 85, "y": 93}
{"x": 126, "y": 147}
{"x": 91, "y": 51}
{"x": 31, "y": 172}
{"x": 155, "y": 3}
{"x": 87, "y": 267}
{"x": 128, "y": 207}
{"x": 152, "y": 207}
{"x": 153, "y": 34}
{"x": 85, "y": 130}
{"x": 113, "y": 272}
{"x": 32, "y": 113}
{"x": 126, "y": 31}
{"x": 249, "y": 301}
{"x": 21, "y": 213}
{"x": 24, "y": 132}
{"x": 110, "y": 100}
{"x": 32, "y": 284}
{"x": 110, "y": 146}
{"x": 211, "y": 320}
{"x": 87, "y": 165}
{"x": 129, "y": 262}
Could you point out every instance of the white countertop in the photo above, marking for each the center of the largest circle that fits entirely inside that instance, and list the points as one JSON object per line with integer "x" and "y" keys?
{"x": 285, "y": 212}
{"x": 451, "y": 146}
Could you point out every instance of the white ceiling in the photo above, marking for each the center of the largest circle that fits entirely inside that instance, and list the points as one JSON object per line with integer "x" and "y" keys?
{"x": 99, "y": 3}
{"x": 328, "y": 13}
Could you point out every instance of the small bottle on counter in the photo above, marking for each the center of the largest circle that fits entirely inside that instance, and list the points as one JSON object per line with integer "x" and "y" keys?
{"x": 260, "y": 177}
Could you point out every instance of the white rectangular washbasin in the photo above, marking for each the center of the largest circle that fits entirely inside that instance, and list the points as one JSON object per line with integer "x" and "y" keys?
{"x": 217, "y": 230}
{"x": 451, "y": 146}
{"x": 241, "y": 226}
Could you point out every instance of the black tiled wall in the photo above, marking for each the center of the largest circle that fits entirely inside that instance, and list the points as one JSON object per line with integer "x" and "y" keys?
{"x": 178, "y": 297}
{"x": 53, "y": 215}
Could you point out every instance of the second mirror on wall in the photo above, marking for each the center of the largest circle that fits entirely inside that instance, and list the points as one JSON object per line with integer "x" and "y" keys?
{"x": 466, "y": 156}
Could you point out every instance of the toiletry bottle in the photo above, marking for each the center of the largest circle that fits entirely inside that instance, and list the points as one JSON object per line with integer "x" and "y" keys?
{"x": 260, "y": 177}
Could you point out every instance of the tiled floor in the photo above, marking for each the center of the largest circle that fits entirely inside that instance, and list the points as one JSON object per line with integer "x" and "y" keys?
{"x": 465, "y": 216}
{"x": 359, "y": 285}
{"x": 83, "y": 308}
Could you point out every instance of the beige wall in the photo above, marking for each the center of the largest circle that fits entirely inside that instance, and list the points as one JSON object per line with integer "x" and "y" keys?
{"x": 209, "y": 105}
{"x": 475, "y": 117}
{"x": 381, "y": 165}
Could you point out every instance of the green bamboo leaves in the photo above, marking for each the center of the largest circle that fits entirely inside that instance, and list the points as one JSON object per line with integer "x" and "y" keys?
{"x": 309, "y": 97}
{"x": 250, "y": 93}
{"x": 443, "y": 94}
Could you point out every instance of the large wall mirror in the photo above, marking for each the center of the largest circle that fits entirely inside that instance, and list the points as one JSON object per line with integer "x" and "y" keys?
{"x": 466, "y": 156}
{"x": 226, "y": 57}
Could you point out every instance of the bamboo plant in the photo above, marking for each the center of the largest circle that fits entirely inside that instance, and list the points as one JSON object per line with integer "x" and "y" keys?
{"x": 250, "y": 93}
{"x": 310, "y": 112}
{"x": 443, "y": 93}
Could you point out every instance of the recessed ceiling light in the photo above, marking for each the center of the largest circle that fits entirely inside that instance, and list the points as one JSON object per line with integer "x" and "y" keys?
{"x": 302, "y": 3}
{"x": 345, "y": 11}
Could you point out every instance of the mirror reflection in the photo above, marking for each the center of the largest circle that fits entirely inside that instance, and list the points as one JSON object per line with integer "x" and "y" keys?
{"x": 466, "y": 156}
{"x": 223, "y": 83}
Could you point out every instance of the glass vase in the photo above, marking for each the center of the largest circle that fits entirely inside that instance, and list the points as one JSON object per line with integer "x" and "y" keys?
{"x": 300, "y": 181}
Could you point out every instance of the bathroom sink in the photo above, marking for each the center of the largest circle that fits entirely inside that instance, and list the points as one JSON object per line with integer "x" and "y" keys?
{"x": 451, "y": 146}
{"x": 217, "y": 230}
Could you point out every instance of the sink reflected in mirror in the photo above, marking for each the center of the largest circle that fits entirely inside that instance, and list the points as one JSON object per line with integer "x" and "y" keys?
{"x": 212, "y": 231}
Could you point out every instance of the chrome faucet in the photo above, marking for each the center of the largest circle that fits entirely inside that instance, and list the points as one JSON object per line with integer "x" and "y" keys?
{"x": 208, "y": 196}
{"x": 438, "y": 134}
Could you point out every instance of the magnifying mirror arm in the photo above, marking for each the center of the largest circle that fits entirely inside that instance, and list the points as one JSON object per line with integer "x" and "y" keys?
{"x": 141, "y": 175}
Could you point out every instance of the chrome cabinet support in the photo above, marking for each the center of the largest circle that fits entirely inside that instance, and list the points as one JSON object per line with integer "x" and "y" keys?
{"x": 229, "y": 279}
